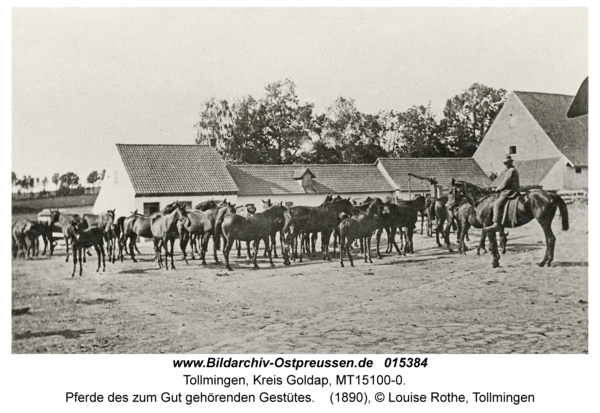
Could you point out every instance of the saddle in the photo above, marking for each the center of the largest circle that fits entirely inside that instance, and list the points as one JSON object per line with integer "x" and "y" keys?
{"x": 511, "y": 208}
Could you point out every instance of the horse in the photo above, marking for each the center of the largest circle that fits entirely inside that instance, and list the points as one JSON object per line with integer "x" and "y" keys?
{"x": 359, "y": 226}
{"x": 268, "y": 204}
{"x": 164, "y": 231}
{"x": 24, "y": 238}
{"x": 538, "y": 204}
{"x": 404, "y": 214}
{"x": 83, "y": 238}
{"x": 26, "y": 233}
{"x": 203, "y": 224}
{"x": 67, "y": 221}
{"x": 136, "y": 225}
{"x": 466, "y": 216}
{"x": 261, "y": 225}
{"x": 245, "y": 211}
{"x": 106, "y": 221}
{"x": 312, "y": 220}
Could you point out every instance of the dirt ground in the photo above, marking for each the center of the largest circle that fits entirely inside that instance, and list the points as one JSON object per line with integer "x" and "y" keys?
{"x": 432, "y": 301}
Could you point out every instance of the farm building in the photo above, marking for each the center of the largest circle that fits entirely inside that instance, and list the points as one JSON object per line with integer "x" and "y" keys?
{"x": 148, "y": 177}
{"x": 441, "y": 169}
{"x": 308, "y": 184}
{"x": 549, "y": 148}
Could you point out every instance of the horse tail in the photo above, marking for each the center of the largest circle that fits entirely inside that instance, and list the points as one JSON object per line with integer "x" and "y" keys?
{"x": 564, "y": 212}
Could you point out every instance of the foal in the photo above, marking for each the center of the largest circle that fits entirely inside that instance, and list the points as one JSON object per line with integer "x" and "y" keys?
{"x": 86, "y": 238}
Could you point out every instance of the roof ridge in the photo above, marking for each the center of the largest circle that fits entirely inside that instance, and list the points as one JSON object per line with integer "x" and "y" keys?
{"x": 543, "y": 93}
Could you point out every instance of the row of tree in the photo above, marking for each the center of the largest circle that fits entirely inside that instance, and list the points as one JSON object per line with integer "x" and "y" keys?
{"x": 278, "y": 129}
{"x": 65, "y": 183}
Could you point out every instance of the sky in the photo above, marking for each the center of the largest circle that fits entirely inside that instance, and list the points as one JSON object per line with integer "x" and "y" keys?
{"x": 86, "y": 79}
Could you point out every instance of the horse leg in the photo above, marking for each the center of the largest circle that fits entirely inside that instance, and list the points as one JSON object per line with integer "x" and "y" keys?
{"x": 183, "y": 241}
{"x": 481, "y": 245}
{"x": 157, "y": 248}
{"x": 172, "y": 240}
{"x": 268, "y": 248}
{"x": 550, "y": 241}
{"x": 80, "y": 266}
{"x": 248, "y": 252}
{"x": 228, "y": 245}
{"x": 238, "y": 245}
{"x": 97, "y": 253}
{"x": 132, "y": 240}
{"x": 204, "y": 248}
{"x": 256, "y": 243}
{"x": 409, "y": 239}
{"x": 103, "y": 261}
{"x": 447, "y": 235}
{"x": 74, "y": 262}
{"x": 369, "y": 249}
{"x": 273, "y": 247}
{"x": 66, "y": 246}
{"x": 494, "y": 248}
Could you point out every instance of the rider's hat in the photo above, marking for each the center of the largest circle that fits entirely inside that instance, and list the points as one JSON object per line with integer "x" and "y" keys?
{"x": 507, "y": 159}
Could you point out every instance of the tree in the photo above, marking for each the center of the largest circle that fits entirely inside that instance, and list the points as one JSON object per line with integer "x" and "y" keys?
{"x": 416, "y": 134}
{"x": 93, "y": 177}
{"x": 45, "y": 182}
{"x": 14, "y": 179}
{"x": 56, "y": 179}
{"x": 68, "y": 180}
{"x": 468, "y": 116}
{"x": 287, "y": 122}
{"x": 270, "y": 130}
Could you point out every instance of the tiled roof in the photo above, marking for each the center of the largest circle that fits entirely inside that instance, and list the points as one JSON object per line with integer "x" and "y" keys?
{"x": 550, "y": 111}
{"x": 531, "y": 172}
{"x": 442, "y": 169}
{"x": 337, "y": 179}
{"x": 176, "y": 169}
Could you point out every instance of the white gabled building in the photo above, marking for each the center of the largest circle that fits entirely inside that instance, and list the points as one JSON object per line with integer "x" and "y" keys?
{"x": 549, "y": 148}
{"x": 148, "y": 177}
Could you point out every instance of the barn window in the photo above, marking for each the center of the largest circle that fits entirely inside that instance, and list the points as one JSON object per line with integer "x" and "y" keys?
{"x": 578, "y": 169}
{"x": 512, "y": 150}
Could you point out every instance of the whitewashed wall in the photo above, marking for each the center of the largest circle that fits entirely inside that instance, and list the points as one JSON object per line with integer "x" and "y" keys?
{"x": 116, "y": 191}
{"x": 304, "y": 199}
{"x": 514, "y": 126}
{"x": 166, "y": 200}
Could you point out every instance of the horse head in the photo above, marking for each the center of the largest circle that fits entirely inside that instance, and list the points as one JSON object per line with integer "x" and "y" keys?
{"x": 54, "y": 216}
{"x": 266, "y": 204}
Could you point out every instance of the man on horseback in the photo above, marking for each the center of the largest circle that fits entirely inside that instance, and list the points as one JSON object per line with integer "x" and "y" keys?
{"x": 506, "y": 189}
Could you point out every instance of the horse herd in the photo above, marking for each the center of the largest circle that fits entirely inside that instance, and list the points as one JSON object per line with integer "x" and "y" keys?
{"x": 298, "y": 227}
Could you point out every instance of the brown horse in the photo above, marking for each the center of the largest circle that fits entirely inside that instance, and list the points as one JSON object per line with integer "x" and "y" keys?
{"x": 323, "y": 219}
{"x": 245, "y": 211}
{"x": 203, "y": 225}
{"x": 86, "y": 238}
{"x": 466, "y": 217}
{"x": 359, "y": 226}
{"x": 67, "y": 221}
{"x": 135, "y": 226}
{"x": 105, "y": 221}
{"x": 537, "y": 204}
{"x": 404, "y": 214}
{"x": 164, "y": 231}
{"x": 261, "y": 225}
